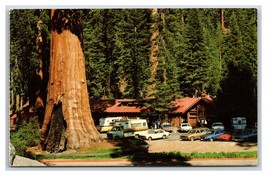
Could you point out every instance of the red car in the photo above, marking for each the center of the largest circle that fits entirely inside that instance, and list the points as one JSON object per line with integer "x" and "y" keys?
{"x": 228, "y": 135}
{"x": 224, "y": 137}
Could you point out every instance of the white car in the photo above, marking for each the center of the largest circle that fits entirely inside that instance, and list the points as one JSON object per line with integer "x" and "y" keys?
{"x": 155, "y": 134}
{"x": 185, "y": 127}
{"x": 167, "y": 127}
{"x": 217, "y": 126}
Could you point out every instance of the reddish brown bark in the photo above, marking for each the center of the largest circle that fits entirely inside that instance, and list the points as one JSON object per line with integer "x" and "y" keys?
{"x": 224, "y": 29}
{"x": 67, "y": 85}
{"x": 153, "y": 56}
{"x": 37, "y": 97}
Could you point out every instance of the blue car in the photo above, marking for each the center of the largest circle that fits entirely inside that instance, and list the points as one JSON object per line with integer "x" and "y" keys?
{"x": 246, "y": 135}
{"x": 211, "y": 135}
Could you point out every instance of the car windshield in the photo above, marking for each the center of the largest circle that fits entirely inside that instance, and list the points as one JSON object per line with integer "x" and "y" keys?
{"x": 192, "y": 131}
{"x": 116, "y": 129}
{"x": 210, "y": 132}
{"x": 248, "y": 131}
{"x": 217, "y": 124}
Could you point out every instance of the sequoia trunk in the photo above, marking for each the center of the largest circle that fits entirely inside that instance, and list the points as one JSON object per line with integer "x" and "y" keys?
{"x": 67, "y": 90}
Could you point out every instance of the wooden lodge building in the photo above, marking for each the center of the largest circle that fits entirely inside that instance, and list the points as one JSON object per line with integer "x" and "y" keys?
{"x": 192, "y": 110}
{"x": 195, "y": 111}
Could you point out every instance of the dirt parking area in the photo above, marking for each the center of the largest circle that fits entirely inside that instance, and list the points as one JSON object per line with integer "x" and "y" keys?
{"x": 199, "y": 146}
{"x": 174, "y": 144}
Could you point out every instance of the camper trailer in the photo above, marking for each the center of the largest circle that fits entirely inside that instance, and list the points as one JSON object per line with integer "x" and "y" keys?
{"x": 106, "y": 124}
{"x": 128, "y": 128}
{"x": 239, "y": 123}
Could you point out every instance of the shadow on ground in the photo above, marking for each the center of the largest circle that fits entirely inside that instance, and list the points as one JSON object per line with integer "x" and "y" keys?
{"x": 247, "y": 145}
{"x": 136, "y": 150}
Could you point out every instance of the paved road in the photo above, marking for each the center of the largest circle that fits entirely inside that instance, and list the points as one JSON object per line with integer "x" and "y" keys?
{"x": 124, "y": 163}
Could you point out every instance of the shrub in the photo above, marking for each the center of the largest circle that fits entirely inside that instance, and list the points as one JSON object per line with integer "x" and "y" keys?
{"x": 27, "y": 135}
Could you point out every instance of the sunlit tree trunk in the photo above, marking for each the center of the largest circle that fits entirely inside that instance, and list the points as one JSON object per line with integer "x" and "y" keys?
{"x": 37, "y": 103}
{"x": 67, "y": 109}
{"x": 153, "y": 56}
{"x": 224, "y": 29}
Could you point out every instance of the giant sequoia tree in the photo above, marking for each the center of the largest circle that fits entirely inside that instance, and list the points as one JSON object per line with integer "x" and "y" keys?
{"x": 68, "y": 122}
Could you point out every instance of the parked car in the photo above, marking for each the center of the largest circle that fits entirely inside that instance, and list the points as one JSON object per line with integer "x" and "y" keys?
{"x": 226, "y": 136}
{"x": 167, "y": 127}
{"x": 211, "y": 135}
{"x": 155, "y": 134}
{"x": 252, "y": 138}
{"x": 236, "y": 134}
{"x": 185, "y": 127}
{"x": 217, "y": 126}
{"x": 193, "y": 134}
{"x": 246, "y": 135}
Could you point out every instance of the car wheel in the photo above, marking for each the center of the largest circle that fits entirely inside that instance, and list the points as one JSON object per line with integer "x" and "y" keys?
{"x": 211, "y": 139}
{"x": 136, "y": 136}
{"x": 164, "y": 136}
{"x": 192, "y": 139}
{"x": 149, "y": 138}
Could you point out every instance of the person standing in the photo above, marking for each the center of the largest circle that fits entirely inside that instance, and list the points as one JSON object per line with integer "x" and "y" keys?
{"x": 158, "y": 124}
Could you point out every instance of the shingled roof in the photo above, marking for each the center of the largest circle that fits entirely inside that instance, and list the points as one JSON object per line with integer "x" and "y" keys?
{"x": 119, "y": 106}
{"x": 184, "y": 104}
{"x": 127, "y": 106}
{"x": 136, "y": 106}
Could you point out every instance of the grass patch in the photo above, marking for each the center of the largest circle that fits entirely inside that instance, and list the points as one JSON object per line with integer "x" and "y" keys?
{"x": 169, "y": 156}
{"x": 95, "y": 151}
{"x": 107, "y": 154}
{"x": 253, "y": 154}
{"x": 90, "y": 154}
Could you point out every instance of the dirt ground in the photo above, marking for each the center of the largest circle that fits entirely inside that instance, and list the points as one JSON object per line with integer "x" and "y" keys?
{"x": 179, "y": 146}
{"x": 200, "y": 146}
{"x": 189, "y": 146}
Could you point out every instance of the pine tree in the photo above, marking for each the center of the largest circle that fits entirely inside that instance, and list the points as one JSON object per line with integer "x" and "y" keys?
{"x": 99, "y": 50}
{"x": 195, "y": 76}
{"x": 212, "y": 38}
{"x": 131, "y": 52}
{"x": 238, "y": 87}
{"x": 24, "y": 56}
{"x": 167, "y": 73}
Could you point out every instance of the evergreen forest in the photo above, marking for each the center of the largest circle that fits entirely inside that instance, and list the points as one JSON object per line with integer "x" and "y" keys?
{"x": 165, "y": 53}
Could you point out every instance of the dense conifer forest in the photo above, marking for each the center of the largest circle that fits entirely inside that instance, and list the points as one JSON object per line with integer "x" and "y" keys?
{"x": 138, "y": 53}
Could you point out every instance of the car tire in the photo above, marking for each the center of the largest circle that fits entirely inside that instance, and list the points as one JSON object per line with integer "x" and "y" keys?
{"x": 211, "y": 139}
{"x": 164, "y": 137}
{"x": 192, "y": 139}
{"x": 149, "y": 138}
{"x": 136, "y": 136}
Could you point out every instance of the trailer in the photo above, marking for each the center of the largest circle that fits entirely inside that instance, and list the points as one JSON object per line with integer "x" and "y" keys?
{"x": 106, "y": 124}
{"x": 239, "y": 123}
{"x": 128, "y": 128}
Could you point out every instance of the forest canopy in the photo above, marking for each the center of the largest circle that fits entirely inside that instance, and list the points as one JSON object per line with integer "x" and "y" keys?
{"x": 138, "y": 53}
